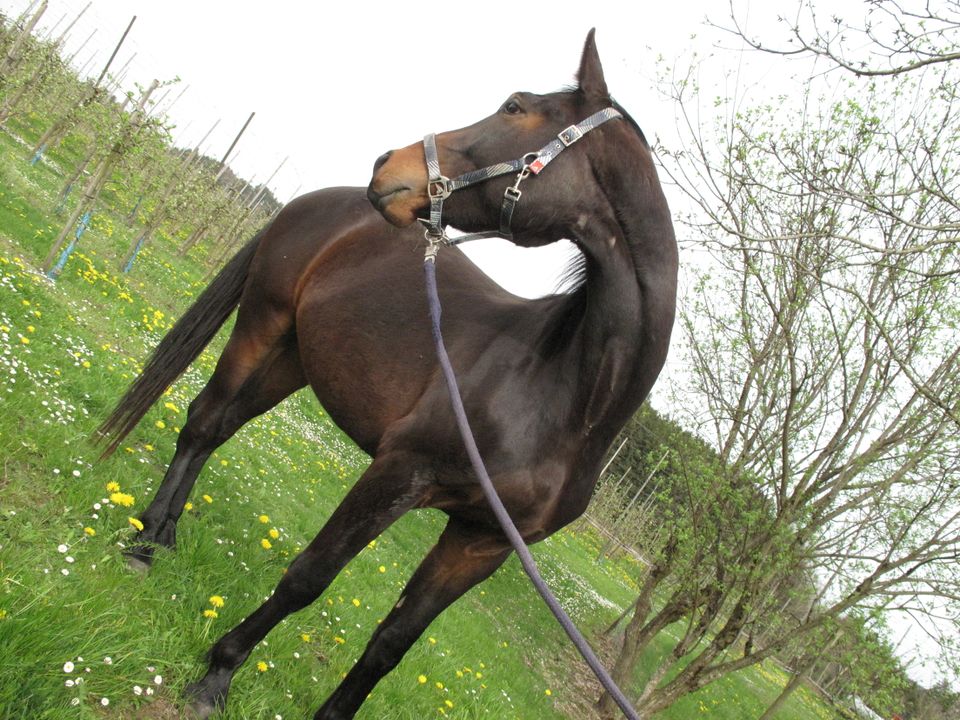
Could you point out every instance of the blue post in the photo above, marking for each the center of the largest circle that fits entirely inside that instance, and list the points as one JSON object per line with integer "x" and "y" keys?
{"x": 38, "y": 154}
{"x": 136, "y": 251}
{"x": 55, "y": 271}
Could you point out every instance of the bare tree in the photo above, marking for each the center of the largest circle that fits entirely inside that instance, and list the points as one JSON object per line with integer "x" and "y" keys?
{"x": 824, "y": 365}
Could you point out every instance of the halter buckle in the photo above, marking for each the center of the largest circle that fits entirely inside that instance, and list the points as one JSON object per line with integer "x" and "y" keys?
{"x": 439, "y": 188}
{"x": 570, "y": 135}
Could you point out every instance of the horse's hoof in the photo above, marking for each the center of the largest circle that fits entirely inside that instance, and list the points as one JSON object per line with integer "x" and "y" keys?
{"x": 199, "y": 710}
{"x": 138, "y": 562}
{"x": 201, "y": 701}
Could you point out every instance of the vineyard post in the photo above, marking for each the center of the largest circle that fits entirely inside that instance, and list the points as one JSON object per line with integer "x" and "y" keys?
{"x": 93, "y": 188}
{"x": 9, "y": 61}
{"x": 56, "y": 131}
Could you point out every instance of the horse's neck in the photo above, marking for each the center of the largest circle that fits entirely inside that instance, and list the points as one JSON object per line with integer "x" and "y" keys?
{"x": 630, "y": 298}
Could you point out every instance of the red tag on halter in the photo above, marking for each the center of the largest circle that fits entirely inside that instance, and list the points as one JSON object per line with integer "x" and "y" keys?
{"x": 536, "y": 166}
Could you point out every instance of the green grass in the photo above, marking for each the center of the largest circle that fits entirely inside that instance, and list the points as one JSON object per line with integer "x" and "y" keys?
{"x": 67, "y": 352}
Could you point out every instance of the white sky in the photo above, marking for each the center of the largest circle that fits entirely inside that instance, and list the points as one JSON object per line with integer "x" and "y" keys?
{"x": 334, "y": 85}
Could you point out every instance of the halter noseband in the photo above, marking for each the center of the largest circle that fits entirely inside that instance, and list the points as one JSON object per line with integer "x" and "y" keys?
{"x": 440, "y": 187}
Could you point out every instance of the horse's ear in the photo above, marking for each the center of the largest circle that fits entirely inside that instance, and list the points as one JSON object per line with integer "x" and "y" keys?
{"x": 590, "y": 75}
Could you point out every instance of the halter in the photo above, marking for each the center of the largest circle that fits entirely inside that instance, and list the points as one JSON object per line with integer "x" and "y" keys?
{"x": 440, "y": 187}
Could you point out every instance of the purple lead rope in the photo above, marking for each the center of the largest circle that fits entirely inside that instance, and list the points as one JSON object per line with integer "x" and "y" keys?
{"x": 509, "y": 529}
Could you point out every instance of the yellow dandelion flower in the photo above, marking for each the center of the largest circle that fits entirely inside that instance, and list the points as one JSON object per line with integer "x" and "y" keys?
{"x": 274, "y": 533}
{"x": 432, "y": 640}
{"x": 262, "y": 666}
{"x": 448, "y": 703}
{"x": 422, "y": 679}
{"x": 439, "y": 685}
{"x": 207, "y": 499}
{"x": 266, "y": 544}
{"x": 119, "y": 498}
{"x": 216, "y": 601}
{"x": 90, "y": 531}
{"x": 188, "y": 505}
{"x": 171, "y": 406}
{"x": 548, "y": 692}
{"x": 264, "y": 519}
{"x": 338, "y": 640}
{"x": 356, "y": 602}
{"x": 24, "y": 340}
{"x": 305, "y": 637}
{"x": 31, "y": 328}
{"x": 136, "y": 523}
{"x": 86, "y": 364}
{"x": 382, "y": 569}
{"x": 113, "y": 486}
{"x": 160, "y": 424}
{"x": 224, "y": 462}
{"x": 210, "y": 613}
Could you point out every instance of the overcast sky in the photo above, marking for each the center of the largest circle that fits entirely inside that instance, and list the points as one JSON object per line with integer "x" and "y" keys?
{"x": 334, "y": 85}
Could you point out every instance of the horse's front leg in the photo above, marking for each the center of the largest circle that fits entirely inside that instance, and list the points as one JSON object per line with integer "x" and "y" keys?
{"x": 386, "y": 491}
{"x": 460, "y": 559}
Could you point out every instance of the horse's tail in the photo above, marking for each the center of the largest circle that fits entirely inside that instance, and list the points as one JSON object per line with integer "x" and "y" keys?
{"x": 180, "y": 347}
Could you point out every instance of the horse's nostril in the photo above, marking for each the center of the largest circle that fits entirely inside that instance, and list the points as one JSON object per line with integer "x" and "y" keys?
{"x": 381, "y": 160}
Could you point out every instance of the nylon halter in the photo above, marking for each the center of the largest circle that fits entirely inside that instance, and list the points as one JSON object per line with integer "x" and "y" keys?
{"x": 440, "y": 187}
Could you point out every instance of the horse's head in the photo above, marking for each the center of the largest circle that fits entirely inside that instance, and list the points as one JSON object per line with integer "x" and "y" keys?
{"x": 523, "y": 125}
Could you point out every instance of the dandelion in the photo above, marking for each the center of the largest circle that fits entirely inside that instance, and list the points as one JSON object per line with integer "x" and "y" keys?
{"x": 171, "y": 406}
{"x": 264, "y": 519}
{"x": 305, "y": 637}
{"x": 338, "y": 640}
{"x": 113, "y": 486}
{"x": 216, "y": 601}
{"x": 89, "y": 531}
{"x": 188, "y": 506}
{"x": 262, "y": 666}
{"x": 548, "y": 692}
{"x": 266, "y": 544}
{"x": 382, "y": 569}
{"x": 422, "y": 679}
{"x": 160, "y": 424}
{"x": 356, "y": 602}
{"x": 124, "y": 499}
{"x": 136, "y": 523}
{"x": 274, "y": 533}
{"x": 207, "y": 499}
{"x": 210, "y": 613}
{"x": 448, "y": 703}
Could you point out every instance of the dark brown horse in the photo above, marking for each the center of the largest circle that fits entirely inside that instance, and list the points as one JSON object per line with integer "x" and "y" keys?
{"x": 331, "y": 295}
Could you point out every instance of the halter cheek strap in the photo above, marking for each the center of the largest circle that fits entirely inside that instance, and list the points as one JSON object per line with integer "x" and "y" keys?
{"x": 440, "y": 187}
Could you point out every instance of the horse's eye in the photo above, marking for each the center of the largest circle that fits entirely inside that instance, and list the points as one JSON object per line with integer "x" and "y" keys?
{"x": 512, "y": 107}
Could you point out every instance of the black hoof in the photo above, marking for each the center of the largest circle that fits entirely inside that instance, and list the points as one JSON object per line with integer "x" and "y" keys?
{"x": 206, "y": 696}
{"x": 139, "y": 558}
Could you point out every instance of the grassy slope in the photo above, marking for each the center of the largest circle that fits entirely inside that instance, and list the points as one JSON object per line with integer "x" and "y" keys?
{"x": 67, "y": 351}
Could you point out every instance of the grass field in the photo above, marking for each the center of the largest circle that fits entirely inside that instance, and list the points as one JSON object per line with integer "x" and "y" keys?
{"x": 82, "y": 637}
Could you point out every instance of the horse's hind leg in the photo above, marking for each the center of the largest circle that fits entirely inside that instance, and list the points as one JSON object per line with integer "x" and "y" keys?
{"x": 461, "y": 559}
{"x": 251, "y": 377}
{"x": 387, "y": 489}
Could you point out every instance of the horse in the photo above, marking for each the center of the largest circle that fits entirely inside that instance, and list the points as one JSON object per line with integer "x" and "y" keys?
{"x": 330, "y": 294}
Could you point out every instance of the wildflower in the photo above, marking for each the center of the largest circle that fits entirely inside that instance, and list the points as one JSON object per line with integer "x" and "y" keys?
{"x": 262, "y": 666}
{"x": 356, "y": 602}
{"x": 382, "y": 569}
{"x": 207, "y": 499}
{"x": 171, "y": 406}
{"x": 432, "y": 640}
{"x": 113, "y": 486}
{"x": 265, "y": 544}
{"x": 274, "y": 533}
{"x": 422, "y": 679}
{"x": 264, "y": 519}
{"x": 448, "y": 703}
{"x": 136, "y": 523}
{"x": 338, "y": 640}
{"x": 208, "y": 613}
{"x": 305, "y": 637}
{"x": 119, "y": 498}
{"x": 188, "y": 505}
{"x": 547, "y": 692}
{"x": 68, "y": 667}
{"x": 216, "y": 601}
{"x": 61, "y": 548}
{"x": 160, "y": 424}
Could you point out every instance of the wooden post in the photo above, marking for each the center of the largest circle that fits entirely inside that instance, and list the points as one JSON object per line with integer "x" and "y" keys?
{"x": 10, "y": 60}
{"x": 63, "y": 36}
{"x": 223, "y": 161}
{"x": 97, "y": 180}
